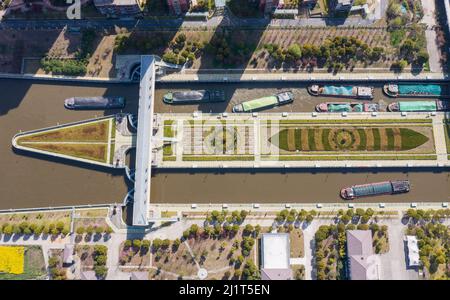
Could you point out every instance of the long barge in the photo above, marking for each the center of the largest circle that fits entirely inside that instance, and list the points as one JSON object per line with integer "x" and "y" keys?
{"x": 94, "y": 102}
{"x": 419, "y": 106}
{"x": 194, "y": 97}
{"x": 265, "y": 102}
{"x": 415, "y": 90}
{"x": 356, "y": 92}
{"x": 347, "y": 107}
{"x": 376, "y": 189}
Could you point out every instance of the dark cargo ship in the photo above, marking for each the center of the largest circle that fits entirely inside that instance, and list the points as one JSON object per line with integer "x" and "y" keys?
{"x": 375, "y": 189}
{"x": 193, "y": 97}
{"x": 94, "y": 102}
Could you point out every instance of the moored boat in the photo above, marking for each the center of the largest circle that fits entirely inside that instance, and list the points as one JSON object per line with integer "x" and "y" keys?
{"x": 375, "y": 189}
{"x": 418, "y": 90}
{"x": 95, "y": 102}
{"x": 419, "y": 106}
{"x": 193, "y": 97}
{"x": 265, "y": 102}
{"x": 347, "y": 107}
{"x": 349, "y": 91}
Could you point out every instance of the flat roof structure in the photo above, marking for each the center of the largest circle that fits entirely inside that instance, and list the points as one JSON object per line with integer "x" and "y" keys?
{"x": 144, "y": 142}
{"x": 275, "y": 256}
{"x": 413, "y": 251}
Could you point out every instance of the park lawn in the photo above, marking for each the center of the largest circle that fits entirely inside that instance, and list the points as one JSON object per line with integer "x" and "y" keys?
{"x": 95, "y": 152}
{"x": 86, "y": 255}
{"x": 130, "y": 257}
{"x": 97, "y": 131}
{"x": 179, "y": 262}
{"x": 33, "y": 265}
{"x": 447, "y": 135}
{"x": 38, "y": 218}
{"x": 297, "y": 243}
{"x": 347, "y": 139}
{"x": 92, "y": 212}
{"x": 168, "y": 129}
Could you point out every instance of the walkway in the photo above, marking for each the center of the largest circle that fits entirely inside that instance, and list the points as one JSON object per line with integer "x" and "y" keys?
{"x": 430, "y": 34}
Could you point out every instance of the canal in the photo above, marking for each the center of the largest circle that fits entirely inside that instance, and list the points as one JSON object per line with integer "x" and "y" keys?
{"x": 32, "y": 180}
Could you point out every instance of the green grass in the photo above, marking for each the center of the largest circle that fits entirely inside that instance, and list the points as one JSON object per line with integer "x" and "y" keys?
{"x": 167, "y": 150}
{"x": 311, "y": 141}
{"x": 349, "y": 157}
{"x": 34, "y": 266}
{"x": 325, "y": 140}
{"x": 363, "y": 139}
{"x": 447, "y": 135}
{"x": 376, "y": 139}
{"x": 411, "y": 139}
{"x": 168, "y": 130}
{"x": 218, "y": 158}
{"x": 390, "y": 139}
{"x": 397, "y": 37}
{"x": 362, "y": 121}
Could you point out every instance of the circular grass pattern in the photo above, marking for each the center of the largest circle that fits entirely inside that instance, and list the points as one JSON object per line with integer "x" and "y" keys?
{"x": 343, "y": 139}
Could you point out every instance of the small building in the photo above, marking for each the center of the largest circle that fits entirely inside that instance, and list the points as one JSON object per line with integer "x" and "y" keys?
{"x": 179, "y": 6}
{"x": 413, "y": 251}
{"x": 275, "y": 256}
{"x": 68, "y": 254}
{"x": 343, "y": 5}
{"x": 362, "y": 262}
{"x": 88, "y": 275}
{"x": 116, "y": 8}
{"x": 139, "y": 276}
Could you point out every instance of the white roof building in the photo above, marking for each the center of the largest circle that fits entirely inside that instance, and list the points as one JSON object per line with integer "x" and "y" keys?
{"x": 413, "y": 251}
{"x": 275, "y": 256}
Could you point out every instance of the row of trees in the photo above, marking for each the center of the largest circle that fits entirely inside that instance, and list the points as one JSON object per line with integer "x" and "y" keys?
{"x": 420, "y": 215}
{"x": 291, "y": 216}
{"x": 57, "y": 272}
{"x": 333, "y": 53}
{"x": 100, "y": 256}
{"x": 219, "y": 217}
{"x": 91, "y": 229}
{"x": 434, "y": 246}
{"x": 37, "y": 229}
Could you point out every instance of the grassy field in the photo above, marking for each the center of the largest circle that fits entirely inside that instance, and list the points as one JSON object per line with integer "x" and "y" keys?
{"x": 34, "y": 266}
{"x": 88, "y": 141}
{"x": 447, "y": 136}
{"x": 348, "y": 139}
{"x": 95, "y": 152}
{"x": 89, "y": 132}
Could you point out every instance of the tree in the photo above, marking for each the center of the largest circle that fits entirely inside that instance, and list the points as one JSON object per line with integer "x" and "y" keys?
{"x": 59, "y": 226}
{"x": 194, "y": 229}
{"x": 90, "y": 230}
{"x": 248, "y": 229}
{"x": 346, "y": 218}
{"x": 422, "y": 57}
{"x": 100, "y": 260}
{"x": 137, "y": 243}
{"x": 101, "y": 271}
{"x": 100, "y": 250}
{"x": 295, "y": 51}
{"x": 165, "y": 243}
{"x": 145, "y": 245}
{"x": 53, "y": 262}
{"x": 176, "y": 244}
{"x": 127, "y": 244}
{"x": 80, "y": 230}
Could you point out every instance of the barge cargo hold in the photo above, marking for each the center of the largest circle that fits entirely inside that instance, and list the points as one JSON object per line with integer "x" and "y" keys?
{"x": 194, "y": 97}
{"x": 375, "y": 189}
{"x": 347, "y": 107}
{"x": 265, "y": 102}
{"x": 94, "y": 103}
{"x": 417, "y": 90}
{"x": 357, "y": 92}
{"x": 419, "y": 106}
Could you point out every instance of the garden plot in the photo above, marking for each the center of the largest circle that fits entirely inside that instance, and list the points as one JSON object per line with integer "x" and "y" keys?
{"x": 348, "y": 139}
{"x": 92, "y": 140}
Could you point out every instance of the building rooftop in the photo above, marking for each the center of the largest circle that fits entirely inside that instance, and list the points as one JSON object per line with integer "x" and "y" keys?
{"x": 364, "y": 265}
{"x": 413, "y": 251}
{"x": 276, "y": 251}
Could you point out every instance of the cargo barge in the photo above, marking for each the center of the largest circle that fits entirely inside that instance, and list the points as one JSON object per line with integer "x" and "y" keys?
{"x": 194, "y": 97}
{"x": 265, "y": 102}
{"x": 376, "y": 189}
{"x": 94, "y": 103}
{"x": 356, "y": 92}
{"x": 419, "y": 106}
{"x": 347, "y": 107}
{"x": 417, "y": 90}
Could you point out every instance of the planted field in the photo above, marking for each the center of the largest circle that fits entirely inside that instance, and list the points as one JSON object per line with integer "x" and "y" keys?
{"x": 11, "y": 259}
{"x": 94, "y": 131}
{"x": 96, "y": 152}
{"x": 33, "y": 265}
{"x": 90, "y": 140}
{"x": 348, "y": 139}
